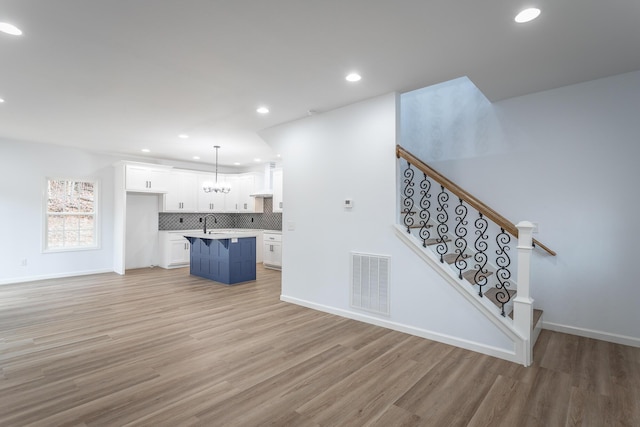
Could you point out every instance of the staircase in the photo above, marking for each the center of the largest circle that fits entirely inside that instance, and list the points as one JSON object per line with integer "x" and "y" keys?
{"x": 470, "y": 245}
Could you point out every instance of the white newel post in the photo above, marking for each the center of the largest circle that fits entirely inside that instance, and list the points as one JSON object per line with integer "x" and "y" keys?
{"x": 523, "y": 304}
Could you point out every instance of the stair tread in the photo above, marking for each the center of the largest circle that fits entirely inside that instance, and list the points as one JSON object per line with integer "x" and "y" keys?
{"x": 537, "y": 314}
{"x": 469, "y": 275}
{"x": 492, "y": 292}
{"x": 451, "y": 258}
{"x": 436, "y": 240}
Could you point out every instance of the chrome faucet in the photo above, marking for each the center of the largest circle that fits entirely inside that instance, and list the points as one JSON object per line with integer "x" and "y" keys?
{"x": 215, "y": 221}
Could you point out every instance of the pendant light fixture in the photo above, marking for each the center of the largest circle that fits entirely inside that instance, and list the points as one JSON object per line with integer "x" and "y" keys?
{"x": 217, "y": 187}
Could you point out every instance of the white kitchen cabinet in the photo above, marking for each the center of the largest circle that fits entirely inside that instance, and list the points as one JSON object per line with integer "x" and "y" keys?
{"x": 175, "y": 249}
{"x": 247, "y": 184}
{"x": 231, "y": 198}
{"x": 210, "y": 202}
{"x": 234, "y": 201}
{"x": 181, "y": 193}
{"x": 277, "y": 190}
{"x": 146, "y": 178}
{"x": 272, "y": 252}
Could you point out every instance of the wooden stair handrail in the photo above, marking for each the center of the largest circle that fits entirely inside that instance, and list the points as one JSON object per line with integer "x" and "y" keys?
{"x": 485, "y": 210}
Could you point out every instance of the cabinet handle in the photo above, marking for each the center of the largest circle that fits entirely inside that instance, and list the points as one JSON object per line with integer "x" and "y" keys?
{"x": 280, "y": 205}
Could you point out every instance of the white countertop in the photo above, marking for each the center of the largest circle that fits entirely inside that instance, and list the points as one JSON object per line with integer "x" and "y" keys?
{"x": 221, "y": 234}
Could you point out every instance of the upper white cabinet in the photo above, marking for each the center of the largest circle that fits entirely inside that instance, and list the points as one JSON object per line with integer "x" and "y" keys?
{"x": 277, "y": 190}
{"x": 248, "y": 184}
{"x": 210, "y": 202}
{"x": 181, "y": 193}
{"x": 146, "y": 178}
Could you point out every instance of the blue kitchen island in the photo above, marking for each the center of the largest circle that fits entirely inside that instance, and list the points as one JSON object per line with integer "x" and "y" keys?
{"x": 227, "y": 257}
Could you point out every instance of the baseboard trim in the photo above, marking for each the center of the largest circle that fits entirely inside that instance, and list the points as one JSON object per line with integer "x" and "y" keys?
{"x": 52, "y": 276}
{"x": 411, "y": 330}
{"x": 590, "y": 333}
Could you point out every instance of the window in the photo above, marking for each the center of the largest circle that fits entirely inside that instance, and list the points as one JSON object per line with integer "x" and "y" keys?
{"x": 71, "y": 215}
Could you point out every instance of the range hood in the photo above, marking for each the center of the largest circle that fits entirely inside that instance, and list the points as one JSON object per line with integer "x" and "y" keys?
{"x": 267, "y": 190}
{"x": 265, "y": 194}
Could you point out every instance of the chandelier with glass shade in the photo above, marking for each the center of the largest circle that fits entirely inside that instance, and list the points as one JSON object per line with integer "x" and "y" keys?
{"x": 217, "y": 187}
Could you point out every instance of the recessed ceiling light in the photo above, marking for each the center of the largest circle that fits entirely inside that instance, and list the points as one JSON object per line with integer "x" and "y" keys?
{"x": 527, "y": 15}
{"x": 10, "y": 29}
{"x": 262, "y": 110}
{"x": 145, "y": 150}
{"x": 237, "y": 163}
{"x": 1, "y": 100}
{"x": 353, "y": 77}
{"x": 257, "y": 160}
{"x": 183, "y": 136}
{"x": 196, "y": 157}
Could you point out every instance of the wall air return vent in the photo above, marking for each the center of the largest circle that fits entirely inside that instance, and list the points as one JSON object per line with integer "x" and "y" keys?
{"x": 370, "y": 282}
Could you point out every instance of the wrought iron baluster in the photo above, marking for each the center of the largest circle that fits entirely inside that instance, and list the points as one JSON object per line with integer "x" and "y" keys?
{"x": 461, "y": 242}
{"x": 425, "y": 205}
{"x": 443, "y": 228}
{"x": 503, "y": 274}
{"x": 407, "y": 197}
{"x": 480, "y": 245}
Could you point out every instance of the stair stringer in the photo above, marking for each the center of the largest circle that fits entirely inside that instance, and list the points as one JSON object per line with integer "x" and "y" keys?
{"x": 485, "y": 307}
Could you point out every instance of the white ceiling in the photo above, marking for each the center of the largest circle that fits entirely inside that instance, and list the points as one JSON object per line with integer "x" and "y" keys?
{"x": 120, "y": 75}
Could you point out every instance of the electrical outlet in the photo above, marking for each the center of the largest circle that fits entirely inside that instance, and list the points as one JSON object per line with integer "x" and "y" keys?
{"x": 23, "y": 262}
{"x": 536, "y": 228}
{"x": 251, "y": 219}
{"x": 200, "y": 220}
{"x": 181, "y": 221}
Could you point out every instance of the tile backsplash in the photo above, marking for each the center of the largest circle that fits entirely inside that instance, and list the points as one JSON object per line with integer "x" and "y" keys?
{"x": 190, "y": 221}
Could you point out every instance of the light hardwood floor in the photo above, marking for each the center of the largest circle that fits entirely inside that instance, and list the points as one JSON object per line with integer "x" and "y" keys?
{"x": 161, "y": 348}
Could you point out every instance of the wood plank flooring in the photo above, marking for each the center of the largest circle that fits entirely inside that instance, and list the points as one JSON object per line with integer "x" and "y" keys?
{"x": 161, "y": 348}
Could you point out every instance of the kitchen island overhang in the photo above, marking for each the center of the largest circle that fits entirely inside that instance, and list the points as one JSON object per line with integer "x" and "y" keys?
{"x": 224, "y": 257}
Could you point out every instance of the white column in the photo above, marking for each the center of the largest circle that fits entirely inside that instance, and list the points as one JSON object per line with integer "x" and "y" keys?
{"x": 523, "y": 304}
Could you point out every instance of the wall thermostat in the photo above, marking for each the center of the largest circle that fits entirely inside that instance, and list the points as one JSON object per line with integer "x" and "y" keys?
{"x": 348, "y": 203}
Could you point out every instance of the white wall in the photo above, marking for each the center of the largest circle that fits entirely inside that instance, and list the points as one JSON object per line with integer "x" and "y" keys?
{"x": 566, "y": 158}
{"x": 24, "y": 168}
{"x": 350, "y": 153}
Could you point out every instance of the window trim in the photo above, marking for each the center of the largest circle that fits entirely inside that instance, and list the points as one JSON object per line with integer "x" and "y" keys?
{"x": 96, "y": 215}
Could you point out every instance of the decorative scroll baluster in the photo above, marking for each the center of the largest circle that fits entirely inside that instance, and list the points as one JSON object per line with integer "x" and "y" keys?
{"x": 480, "y": 245}
{"x": 407, "y": 199}
{"x": 442, "y": 228}
{"x": 425, "y": 205}
{"x": 503, "y": 274}
{"x": 461, "y": 242}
